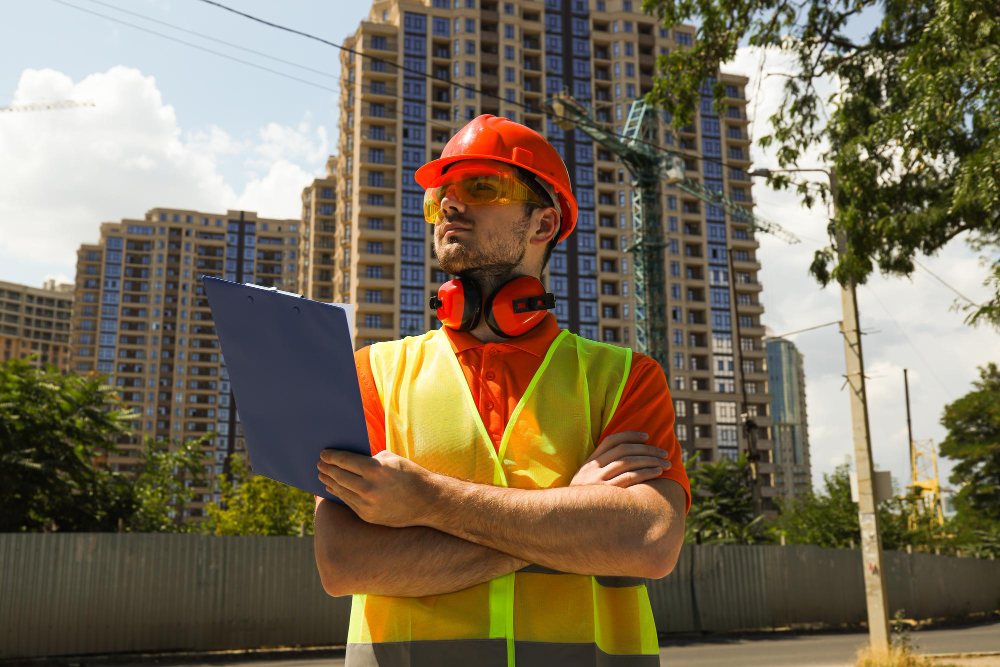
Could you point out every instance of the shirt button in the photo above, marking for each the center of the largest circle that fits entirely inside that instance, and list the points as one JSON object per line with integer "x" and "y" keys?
{"x": 493, "y": 352}
{"x": 490, "y": 375}
{"x": 489, "y": 406}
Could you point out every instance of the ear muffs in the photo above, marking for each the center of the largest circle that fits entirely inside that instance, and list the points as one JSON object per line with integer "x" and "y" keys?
{"x": 517, "y": 306}
{"x": 458, "y": 304}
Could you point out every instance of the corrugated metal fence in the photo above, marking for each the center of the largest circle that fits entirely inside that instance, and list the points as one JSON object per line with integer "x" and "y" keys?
{"x": 73, "y": 594}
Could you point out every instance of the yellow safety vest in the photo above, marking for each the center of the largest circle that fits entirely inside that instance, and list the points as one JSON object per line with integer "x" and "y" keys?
{"x": 534, "y": 616}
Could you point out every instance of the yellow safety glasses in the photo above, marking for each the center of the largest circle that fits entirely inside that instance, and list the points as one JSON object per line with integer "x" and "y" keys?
{"x": 476, "y": 186}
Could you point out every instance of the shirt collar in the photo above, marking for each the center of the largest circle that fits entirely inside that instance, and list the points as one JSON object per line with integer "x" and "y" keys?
{"x": 537, "y": 341}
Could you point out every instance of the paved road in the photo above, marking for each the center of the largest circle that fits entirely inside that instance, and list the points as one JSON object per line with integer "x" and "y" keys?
{"x": 805, "y": 650}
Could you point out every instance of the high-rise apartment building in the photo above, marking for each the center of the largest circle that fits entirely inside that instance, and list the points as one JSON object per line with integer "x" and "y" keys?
{"x": 318, "y": 241}
{"x": 36, "y": 321}
{"x": 428, "y": 67}
{"x": 787, "y": 382}
{"x": 141, "y": 315}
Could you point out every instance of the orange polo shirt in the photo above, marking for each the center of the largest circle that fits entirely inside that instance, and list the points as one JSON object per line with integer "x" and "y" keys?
{"x": 498, "y": 374}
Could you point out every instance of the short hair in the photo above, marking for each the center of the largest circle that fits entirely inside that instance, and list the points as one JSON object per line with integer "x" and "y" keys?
{"x": 531, "y": 180}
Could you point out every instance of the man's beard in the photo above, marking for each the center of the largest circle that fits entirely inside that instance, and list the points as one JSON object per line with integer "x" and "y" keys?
{"x": 490, "y": 265}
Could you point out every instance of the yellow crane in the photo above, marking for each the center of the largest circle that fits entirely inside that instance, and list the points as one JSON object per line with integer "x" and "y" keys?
{"x": 923, "y": 466}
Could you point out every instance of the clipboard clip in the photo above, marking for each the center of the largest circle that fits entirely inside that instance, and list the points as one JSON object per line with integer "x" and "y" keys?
{"x": 273, "y": 289}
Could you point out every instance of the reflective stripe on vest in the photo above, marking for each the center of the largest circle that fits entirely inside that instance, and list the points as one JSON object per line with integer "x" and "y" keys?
{"x": 535, "y": 614}
{"x": 488, "y": 653}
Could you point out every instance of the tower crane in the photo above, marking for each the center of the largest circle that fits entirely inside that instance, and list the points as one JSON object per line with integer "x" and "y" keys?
{"x": 650, "y": 165}
{"x": 47, "y": 106}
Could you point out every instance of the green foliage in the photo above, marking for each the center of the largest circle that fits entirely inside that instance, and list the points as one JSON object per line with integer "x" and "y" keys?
{"x": 721, "y": 503}
{"x": 913, "y": 133}
{"x": 56, "y": 432}
{"x": 51, "y": 428}
{"x": 830, "y": 519}
{"x": 158, "y": 485}
{"x": 973, "y": 441}
{"x": 256, "y": 505}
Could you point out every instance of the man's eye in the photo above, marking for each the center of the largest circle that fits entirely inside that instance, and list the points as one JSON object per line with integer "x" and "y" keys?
{"x": 483, "y": 189}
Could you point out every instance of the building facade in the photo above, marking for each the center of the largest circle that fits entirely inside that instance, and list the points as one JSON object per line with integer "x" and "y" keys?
{"x": 141, "y": 316}
{"x": 395, "y": 118}
{"x": 318, "y": 240}
{"x": 790, "y": 429}
{"x": 36, "y": 321}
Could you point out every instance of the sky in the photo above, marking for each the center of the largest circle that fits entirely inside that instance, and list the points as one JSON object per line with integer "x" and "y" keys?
{"x": 175, "y": 126}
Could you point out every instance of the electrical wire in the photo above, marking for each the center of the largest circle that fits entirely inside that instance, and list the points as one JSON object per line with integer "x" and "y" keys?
{"x": 529, "y": 107}
{"x": 940, "y": 280}
{"x": 818, "y": 326}
{"x": 215, "y": 39}
{"x": 199, "y": 47}
{"x": 915, "y": 348}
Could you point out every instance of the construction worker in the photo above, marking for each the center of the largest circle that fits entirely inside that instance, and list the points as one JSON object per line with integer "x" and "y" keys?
{"x": 514, "y": 501}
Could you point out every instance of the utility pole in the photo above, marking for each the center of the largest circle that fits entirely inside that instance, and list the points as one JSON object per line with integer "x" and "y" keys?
{"x": 871, "y": 535}
{"x": 909, "y": 427}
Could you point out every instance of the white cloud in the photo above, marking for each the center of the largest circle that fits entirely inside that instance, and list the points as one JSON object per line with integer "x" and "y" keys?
{"x": 64, "y": 172}
{"x": 910, "y": 321}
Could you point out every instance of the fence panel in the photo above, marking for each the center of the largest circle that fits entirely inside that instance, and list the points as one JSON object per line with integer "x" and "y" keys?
{"x": 80, "y": 593}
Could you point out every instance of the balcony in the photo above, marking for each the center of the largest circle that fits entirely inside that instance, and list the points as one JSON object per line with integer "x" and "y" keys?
{"x": 387, "y": 278}
{"x": 379, "y": 206}
{"x": 367, "y": 134}
{"x": 372, "y": 181}
{"x": 375, "y": 89}
{"x": 379, "y": 43}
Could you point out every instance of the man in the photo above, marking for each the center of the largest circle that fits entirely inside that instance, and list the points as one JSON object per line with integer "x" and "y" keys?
{"x": 514, "y": 500}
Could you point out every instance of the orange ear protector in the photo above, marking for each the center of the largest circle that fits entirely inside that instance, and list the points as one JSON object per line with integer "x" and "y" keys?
{"x": 513, "y": 308}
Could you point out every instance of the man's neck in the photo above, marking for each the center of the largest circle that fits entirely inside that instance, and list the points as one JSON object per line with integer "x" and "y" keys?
{"x": 487, "y": 282}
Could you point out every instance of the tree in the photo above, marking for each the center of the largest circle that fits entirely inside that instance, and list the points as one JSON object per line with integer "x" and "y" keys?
{"x": 256, "y": 505}
{"x": 52, "y": 427}
{"x": 973, "y": 424}
{"x": 56, "y": 432}
{"x": 162, "y": 485}
{"x": 721, "y": 503}
{"x": 830, "y": 519}
{"x": 913, "y": 132}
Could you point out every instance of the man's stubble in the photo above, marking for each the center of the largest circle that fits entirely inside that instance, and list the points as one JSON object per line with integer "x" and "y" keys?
{"x": 491, "y": 261}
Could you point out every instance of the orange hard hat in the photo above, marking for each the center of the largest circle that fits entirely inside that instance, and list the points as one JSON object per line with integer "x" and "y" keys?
{"x": 490, "y": 137}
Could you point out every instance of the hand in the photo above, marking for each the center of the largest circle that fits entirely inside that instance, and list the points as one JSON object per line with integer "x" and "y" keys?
{"x": 622, "y": 460}
{"x": 386, "y": 489}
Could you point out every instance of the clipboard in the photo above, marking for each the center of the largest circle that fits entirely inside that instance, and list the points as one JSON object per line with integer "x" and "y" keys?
{"x": 291, "y": 366}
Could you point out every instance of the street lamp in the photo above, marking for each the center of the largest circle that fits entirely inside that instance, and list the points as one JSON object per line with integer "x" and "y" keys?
{"x": 871, "y": 535}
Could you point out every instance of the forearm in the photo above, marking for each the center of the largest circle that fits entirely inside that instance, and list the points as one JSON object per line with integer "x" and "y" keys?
{"x": 354, "y": 556}
{"x": 591, "y": 529}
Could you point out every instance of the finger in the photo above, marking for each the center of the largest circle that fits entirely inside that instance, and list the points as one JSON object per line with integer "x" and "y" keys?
{"x": 630, "y": 463}
{"x": 616, "y": 439}
{"x": 345, "y": 478}
{"x": 351, "y": 499}
{"x": 634, "y": 477}
{"x": 630, "y": 449}
{"x": 356, "y": 463}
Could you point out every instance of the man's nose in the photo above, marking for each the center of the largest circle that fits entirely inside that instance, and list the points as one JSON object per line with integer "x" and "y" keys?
{"x": 451, "y": 202}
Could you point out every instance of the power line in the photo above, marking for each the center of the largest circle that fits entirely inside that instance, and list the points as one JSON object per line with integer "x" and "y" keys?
{"x": 818, "y": 326}
{"x": 940, "y": 280}
{"x": 214, "y": 39}
{"x": 529, "y": 107}
{"x": 199, "y": 47}
{"x": 915, "y": 348}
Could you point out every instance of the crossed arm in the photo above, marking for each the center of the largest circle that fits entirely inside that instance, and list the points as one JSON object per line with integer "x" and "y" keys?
{"x": 411, "y": 532}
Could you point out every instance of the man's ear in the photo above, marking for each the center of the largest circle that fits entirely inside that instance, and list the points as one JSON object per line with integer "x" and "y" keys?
{"x": 547, "y": 220}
